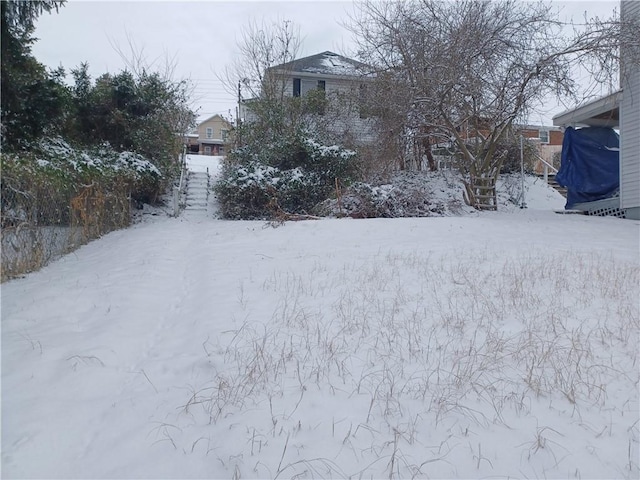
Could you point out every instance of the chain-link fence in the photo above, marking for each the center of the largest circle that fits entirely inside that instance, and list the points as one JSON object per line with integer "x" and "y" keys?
{"x": 44, "y": 217}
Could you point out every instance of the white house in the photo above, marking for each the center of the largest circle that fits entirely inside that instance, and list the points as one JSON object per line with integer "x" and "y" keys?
{"x": 630, "y": 125}
{"x": 341, "y": 79}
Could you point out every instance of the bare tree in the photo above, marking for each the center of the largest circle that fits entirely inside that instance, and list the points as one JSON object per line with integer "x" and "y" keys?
{"x": 470, "y": 70}
{"x": 261, "y": 47}
{"x": 261, "y": 93}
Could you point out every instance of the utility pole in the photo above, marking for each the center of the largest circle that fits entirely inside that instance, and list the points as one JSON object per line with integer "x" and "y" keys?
{"x": 239, "y": 109}
{"x": 239, "y": 102}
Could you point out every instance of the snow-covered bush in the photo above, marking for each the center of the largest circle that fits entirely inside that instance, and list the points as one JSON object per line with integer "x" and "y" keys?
{"x": 299, "y": 151}
{"x": 38, "y": 186}
{"x": 406, "y": 194}
{"x": 102, "y": 164}
{"x": 257, "y": 191}
{"x": 291, "y": 175}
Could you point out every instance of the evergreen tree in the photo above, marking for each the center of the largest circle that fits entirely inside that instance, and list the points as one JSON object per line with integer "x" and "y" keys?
{"x": 32, "y": 99}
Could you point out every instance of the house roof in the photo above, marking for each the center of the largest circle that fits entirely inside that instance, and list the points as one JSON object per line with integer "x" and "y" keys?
{"x": 212, "y": 117}
{"x": 602, "y": 112}
{"x": 327, "y": 63}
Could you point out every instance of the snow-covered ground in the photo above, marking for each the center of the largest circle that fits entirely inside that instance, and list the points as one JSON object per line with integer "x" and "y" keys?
{"x": 205, "y": 163}
{"x": 501, "y": 345}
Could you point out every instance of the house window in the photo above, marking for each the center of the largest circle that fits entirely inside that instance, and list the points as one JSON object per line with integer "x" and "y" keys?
{"x": 321, "y": 85}
{"x": 544, "y": 136}
{"x": 209, "y": 132}
{"x": 225, "y": 135}
{"x": 296, "y": 87}
{"x": 207, "y": 150}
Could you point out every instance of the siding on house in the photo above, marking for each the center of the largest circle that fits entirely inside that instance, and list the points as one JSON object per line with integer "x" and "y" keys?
{"x": 217, "y": 126}
{"x": 341, "y": 79}
{"x": 349, "y": 91}
{"x": 630, "y": 125}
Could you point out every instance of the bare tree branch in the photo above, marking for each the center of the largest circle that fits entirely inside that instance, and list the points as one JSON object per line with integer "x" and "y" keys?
{"x": 477, "y": 68}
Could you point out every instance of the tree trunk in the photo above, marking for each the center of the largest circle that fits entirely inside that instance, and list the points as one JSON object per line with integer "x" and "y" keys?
{"x": 480, "y": 189}
{"x": 480, "y": 192}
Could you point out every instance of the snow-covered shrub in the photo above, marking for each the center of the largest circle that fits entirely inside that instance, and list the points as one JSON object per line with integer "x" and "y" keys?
{"x": 329, "y": 161}
{"x": 102, "y": 164}
{"x": 299, "y": 151}
{"x": 38, "y": 187}
{"x": 290, "y": 175}
{"x": 406, "y": 194}
{"x": 257, "y": 191}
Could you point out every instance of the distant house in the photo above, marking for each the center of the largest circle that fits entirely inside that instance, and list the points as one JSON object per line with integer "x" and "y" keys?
{"x": 545, "y": 135}
{"x": 548, "y": 141}
{"x": 210, "y": 137}
{"x": 620, "y": 110}
{"x": 335, "y": 76}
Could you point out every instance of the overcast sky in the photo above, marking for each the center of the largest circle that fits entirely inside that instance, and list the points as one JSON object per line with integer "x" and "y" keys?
{"x": 202, "y": 36}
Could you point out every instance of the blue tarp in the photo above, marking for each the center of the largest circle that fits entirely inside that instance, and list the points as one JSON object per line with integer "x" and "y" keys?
{"x": 590, "y": 167}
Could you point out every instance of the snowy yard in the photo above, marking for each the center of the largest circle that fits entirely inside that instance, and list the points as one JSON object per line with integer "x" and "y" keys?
{"x": 487, "y": 345}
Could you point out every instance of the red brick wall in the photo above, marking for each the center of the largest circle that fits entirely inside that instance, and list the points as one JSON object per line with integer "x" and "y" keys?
{"x": 555, "y": 137}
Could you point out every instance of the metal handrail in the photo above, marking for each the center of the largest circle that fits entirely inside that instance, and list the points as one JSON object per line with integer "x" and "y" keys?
{"x": 546, "y": 166}
{"x": 180, "y": 189}
{"x": 183, "y": 173}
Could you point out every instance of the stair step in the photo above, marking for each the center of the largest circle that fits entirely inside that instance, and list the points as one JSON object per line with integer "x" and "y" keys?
{"x": 551, "y": 181}
{"x": 197, "y": 192}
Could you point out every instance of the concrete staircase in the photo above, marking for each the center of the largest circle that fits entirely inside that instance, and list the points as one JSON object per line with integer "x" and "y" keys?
{"x": 197, "y": 192}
